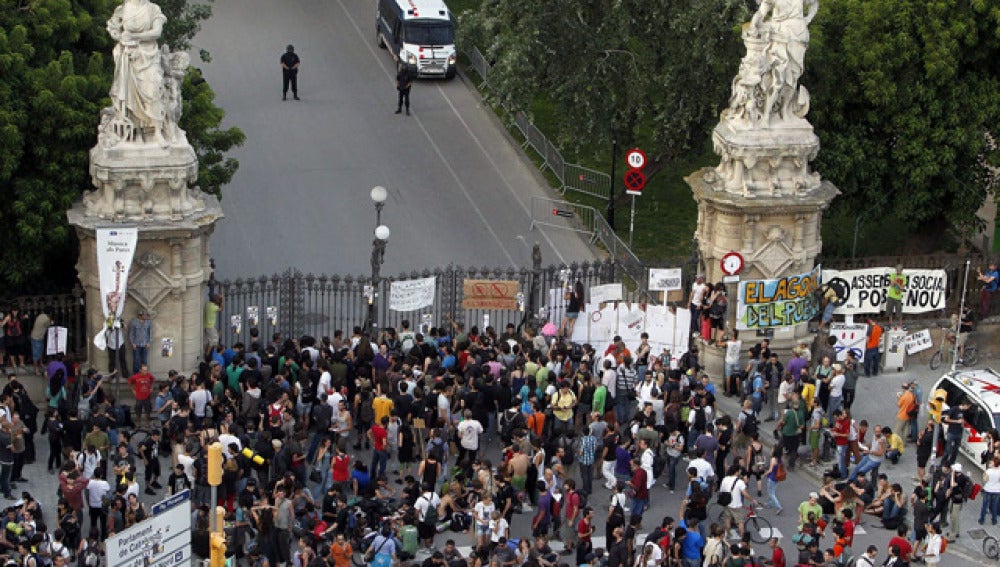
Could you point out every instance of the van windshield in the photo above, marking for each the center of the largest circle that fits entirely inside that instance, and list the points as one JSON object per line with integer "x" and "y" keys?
{"x": 429, "y": 33}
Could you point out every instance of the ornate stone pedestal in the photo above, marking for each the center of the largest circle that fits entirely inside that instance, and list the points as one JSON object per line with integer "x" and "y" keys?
{"x": 144, "y": 173}
{"x": 762, "y": 200}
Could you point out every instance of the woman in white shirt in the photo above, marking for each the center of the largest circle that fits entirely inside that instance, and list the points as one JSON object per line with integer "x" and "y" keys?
{"x": 991, "y": 492}
{"x": 932, "y": 545}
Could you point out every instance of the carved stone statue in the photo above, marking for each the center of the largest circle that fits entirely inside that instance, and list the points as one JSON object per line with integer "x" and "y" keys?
{"x": 766, "y": 89}
{"x": 137, "y": 91}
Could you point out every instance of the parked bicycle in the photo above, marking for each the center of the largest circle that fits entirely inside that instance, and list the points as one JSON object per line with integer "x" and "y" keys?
{"x": 758, "y": 527}
{"x": 946, "y": 350}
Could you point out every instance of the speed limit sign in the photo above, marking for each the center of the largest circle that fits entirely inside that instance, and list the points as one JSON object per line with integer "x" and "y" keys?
{"x": 635, "y": 158}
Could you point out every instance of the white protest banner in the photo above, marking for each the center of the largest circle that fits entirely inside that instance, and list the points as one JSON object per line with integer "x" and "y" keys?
{"x": 605, "y": 293}
{"x": 55, "y": 342}
{"x": 850, "y": 337}
{"x": 410, "y": 295}
{"x": 666, "y": 279}
{"x": 115, "y": 248}
{"x": 864, "y": 291}
{"x": 781, "y": 302}
{"x": 919, "y": 341}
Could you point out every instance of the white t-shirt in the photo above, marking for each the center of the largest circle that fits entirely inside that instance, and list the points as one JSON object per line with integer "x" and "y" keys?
{"x": 698, "y": 292}
{"x": 837, "y": 386}
{"x": 498, "y": 529}
{"x": 655, "y": 556}
{"x": 705, "y": 469}
{"x": 784, "y": 390}
{"x": 735, "y": 486}
{"x": 226, "y": 439}
{"x": 444, "y": 406}
{"x": 733, "y": 349}
{"x": 325, "y": 382}
{"x": 426, "y": 500}
{"x": 199, "y": 399}
{"x": 96, "y": 490}
{"x": 483, "y": 513}
{"x": 992, "y": 484}
{"x": 469, "y": 431}
{"x": 333, "y": 400}
{"x": 188, "y": 463}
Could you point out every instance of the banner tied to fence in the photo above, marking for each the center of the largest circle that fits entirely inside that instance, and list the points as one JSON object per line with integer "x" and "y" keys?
{"x": 864, "y": 291}
{"x": 780, "y": 302}
{"x": 490, "y": 294}
{"x": 605, "y": 293}
{"x": 410, "y": 295}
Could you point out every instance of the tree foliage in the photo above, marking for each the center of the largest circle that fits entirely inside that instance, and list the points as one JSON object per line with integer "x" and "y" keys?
{"x": 55, "y": 72}
{"x": 657, "y": 68}
{"x": 904, "y": 94}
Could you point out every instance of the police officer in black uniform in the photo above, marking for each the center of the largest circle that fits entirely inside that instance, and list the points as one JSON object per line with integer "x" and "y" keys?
{"x": 289, "y": 73}
{"x": 404, "y": 80}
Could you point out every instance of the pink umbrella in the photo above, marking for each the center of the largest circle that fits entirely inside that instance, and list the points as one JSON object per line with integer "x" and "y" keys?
{"x": 549, "y": 330}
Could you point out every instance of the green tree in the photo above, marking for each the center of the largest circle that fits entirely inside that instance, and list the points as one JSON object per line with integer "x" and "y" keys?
{"x": 904, "y": 93}
{"x": 55, "y": 72}
{"x": 656, "y": 69}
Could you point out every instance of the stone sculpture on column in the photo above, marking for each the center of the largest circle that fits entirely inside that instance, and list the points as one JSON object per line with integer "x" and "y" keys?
{"x": 144, "y": 173}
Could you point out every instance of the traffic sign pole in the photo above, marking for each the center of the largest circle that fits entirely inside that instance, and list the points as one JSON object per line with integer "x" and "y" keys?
{"x": 631, "y": 223}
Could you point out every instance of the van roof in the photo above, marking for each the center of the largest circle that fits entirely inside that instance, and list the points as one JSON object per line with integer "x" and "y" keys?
{"x": 984, "y": 384}
{"x": 432, "y": 9}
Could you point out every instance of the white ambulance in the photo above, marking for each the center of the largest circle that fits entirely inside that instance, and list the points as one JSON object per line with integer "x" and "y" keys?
{"x": 982, "y": 389}
{"x": 419, "y": 34}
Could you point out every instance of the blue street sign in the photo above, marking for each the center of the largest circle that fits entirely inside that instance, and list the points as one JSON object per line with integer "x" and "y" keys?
{"x": 172, "y": 502}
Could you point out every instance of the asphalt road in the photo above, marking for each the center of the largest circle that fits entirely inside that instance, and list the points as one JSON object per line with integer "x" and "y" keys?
{"x": 459, "y": 191}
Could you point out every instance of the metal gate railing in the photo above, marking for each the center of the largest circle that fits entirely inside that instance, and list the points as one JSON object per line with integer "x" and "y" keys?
{"x": 318, "y": 305}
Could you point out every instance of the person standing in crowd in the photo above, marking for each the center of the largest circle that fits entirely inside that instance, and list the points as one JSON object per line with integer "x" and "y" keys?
{"x": 214, "y": 304}
{"x": 894, "y": 296}
{"x": 991, "y": 283}
{"x": 140, "y": 334}
{"x": 696, "y": 301}
{"x": 404, "y": 81}
{"x": 872, "y": 345}
{"x": 290, "y": 73}
{"x": 39, "y": 332}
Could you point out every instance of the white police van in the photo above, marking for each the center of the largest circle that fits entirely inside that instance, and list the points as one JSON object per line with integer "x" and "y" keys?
{"x": 982, "y": 389}
{"x": 419, "y": 34}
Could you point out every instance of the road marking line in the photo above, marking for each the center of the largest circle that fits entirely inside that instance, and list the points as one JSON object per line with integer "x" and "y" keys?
{"x": 434, "y": 145}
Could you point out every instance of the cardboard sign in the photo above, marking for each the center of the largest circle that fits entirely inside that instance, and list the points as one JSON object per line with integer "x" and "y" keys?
{"x": 781, "y": 302}
{"x": 667, "y": 279}
{"x": 919, "y": 341}
{"x": 490, "y": 294}
{"x": 850, "y": 337}
{"x": 606, "y": 293}
{"x": 410, "y": 295}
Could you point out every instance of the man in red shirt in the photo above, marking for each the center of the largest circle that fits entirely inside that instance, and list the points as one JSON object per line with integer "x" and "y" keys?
{"x": 584, "y": 529}
{"x": 841, "y": 433}
{"x": 142, "y": 386}
{"x": 641, "y": 499}
{"x": 905, "y": 549}
{"x": 380, "y": 451}
{"x": 341, "y": 469}
{"x": 777, "y": 554}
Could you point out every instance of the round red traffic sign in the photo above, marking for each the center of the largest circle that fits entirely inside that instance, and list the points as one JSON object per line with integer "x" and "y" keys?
{"x": 635, "y": 158}
{"x": 635, "y": 180}
{"x": 731, "y": 263}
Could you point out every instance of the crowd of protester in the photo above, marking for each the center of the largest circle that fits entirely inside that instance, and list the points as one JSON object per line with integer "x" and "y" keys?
{"x": 408, "y": 447}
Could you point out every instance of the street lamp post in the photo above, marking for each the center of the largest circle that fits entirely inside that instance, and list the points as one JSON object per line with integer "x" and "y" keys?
{"x": 378, "y": 194}
{"x": 378, "y": 254}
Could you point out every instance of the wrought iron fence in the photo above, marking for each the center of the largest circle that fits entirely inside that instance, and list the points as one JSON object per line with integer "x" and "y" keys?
{"x": 318, "y": 305}
{"x": 66, "y": 310}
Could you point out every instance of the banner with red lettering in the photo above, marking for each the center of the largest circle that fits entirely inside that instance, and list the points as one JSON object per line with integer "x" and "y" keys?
{"x": 782, "y": 302}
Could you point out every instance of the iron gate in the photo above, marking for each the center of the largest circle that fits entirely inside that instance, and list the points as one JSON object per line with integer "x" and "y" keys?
{"x": 318, "y": 305}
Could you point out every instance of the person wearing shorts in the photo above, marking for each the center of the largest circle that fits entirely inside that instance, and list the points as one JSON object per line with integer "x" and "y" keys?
{"x": 142, "y": 386}
{"x": 894, "y": 296}
{"x": 214, "y": 304}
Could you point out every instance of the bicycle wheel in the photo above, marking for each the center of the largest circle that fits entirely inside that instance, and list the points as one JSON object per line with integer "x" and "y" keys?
{"x": 990, "y": 547}
{"x": 758, "y": 528}
{"x": 971, "y": 355}
{"x": 935, "y": 360}
{"x": 138, "y": 436}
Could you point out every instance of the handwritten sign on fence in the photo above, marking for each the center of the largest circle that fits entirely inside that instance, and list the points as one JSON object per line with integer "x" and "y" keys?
{"x": 490, "y": 294}
{"x": 921, "y": 340}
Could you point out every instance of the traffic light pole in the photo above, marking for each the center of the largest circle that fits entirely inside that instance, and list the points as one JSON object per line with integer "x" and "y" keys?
{"x": 217, "y": 521}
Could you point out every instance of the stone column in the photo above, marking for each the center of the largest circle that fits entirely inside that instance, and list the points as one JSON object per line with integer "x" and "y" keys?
{"x": 763, "y": 200}
{"x": 144, "y": 173}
